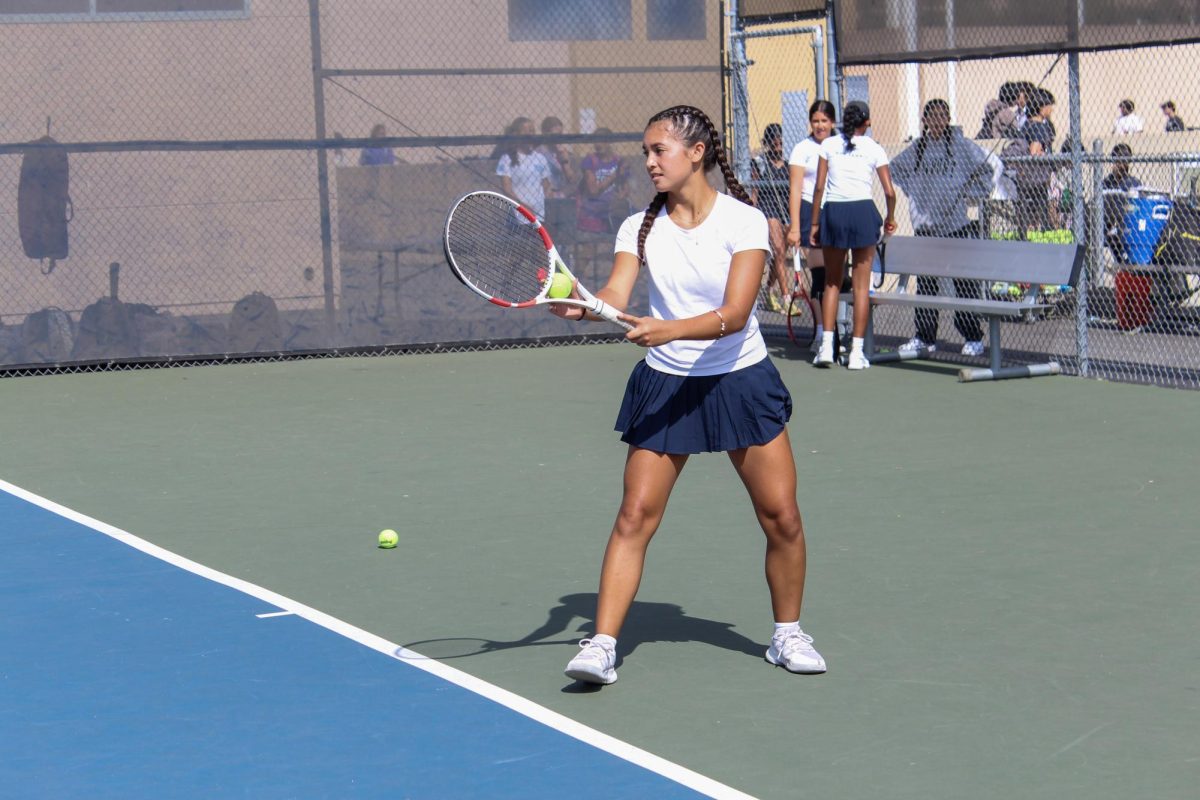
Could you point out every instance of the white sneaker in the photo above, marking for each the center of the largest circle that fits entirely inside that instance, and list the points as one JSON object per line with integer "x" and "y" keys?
{"x": 916, "y": 344}
{"x": 594, "y": 663}
{"x": 973, "y": 349}
{"x": 857, "y": 360}
{"x": 794, "y": 652}
{"x": 824, "y": 355}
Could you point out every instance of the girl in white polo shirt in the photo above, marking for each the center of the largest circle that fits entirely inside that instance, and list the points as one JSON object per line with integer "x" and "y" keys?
{"x": 849, "y": 221}
{"x": 706, "y": 384}
{"x": 802, "y": 175}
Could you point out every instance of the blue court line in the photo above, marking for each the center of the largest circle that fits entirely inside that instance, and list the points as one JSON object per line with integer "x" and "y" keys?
{"x": 127, "y": 671}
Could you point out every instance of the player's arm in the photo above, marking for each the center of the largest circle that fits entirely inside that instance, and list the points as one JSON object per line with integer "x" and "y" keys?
{"x": 818, "y": 193}
{"x": 889, "y": 194}
{"x": 795, "y": 236}
{"x": 619, "y": 288}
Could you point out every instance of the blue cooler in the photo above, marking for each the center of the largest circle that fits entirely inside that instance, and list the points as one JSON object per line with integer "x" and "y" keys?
{"x": 1145, "y": 218}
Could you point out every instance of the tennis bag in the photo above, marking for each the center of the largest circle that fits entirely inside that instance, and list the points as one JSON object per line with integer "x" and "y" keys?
{"x": 254, "y": 325}
{"x": 107, "y": 330}
{"x": 1179, "y": 243}
{"x": 43, "y": 204}
{"x": 47, "y": 337}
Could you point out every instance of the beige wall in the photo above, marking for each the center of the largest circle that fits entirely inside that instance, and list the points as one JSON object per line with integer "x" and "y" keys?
{"x": 192, "y": 228}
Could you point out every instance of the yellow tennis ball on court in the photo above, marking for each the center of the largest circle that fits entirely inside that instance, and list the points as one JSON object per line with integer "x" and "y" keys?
{"x": 388, "y": 539}
{"x": 560, "y": 286}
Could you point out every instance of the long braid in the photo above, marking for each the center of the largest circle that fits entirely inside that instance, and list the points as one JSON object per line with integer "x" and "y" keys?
{"x": 854, "y": 117}
{"x": 731, "y": 182}
{"x": 691, "y": 125}
{"x": 652, "y": 210}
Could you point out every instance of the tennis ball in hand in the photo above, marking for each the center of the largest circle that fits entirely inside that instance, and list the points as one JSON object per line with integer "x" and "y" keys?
{"x": 560, "y": 286}
{"x": 388, "y": 539}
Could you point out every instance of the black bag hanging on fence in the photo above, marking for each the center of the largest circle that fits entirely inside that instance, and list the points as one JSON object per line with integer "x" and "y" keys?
{"x": 1179, "y": 243}
{"x": 43, "y": 203}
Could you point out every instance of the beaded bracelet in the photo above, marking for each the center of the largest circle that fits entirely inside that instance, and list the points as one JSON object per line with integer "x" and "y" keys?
{"x": 721, "y": 317}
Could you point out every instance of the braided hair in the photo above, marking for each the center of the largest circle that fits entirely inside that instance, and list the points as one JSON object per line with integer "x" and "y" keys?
{"x": 691, "y": 126}
{"x": 854, "y": 117}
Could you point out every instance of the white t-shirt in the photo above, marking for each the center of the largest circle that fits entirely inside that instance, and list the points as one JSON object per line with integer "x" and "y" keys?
{"x": 527, "y": 177}
{"x": 1127, "y": 124}
{"x": 688, "y": 271}
{"x": 807, "y": 153}
{"x": 851, "y": 175}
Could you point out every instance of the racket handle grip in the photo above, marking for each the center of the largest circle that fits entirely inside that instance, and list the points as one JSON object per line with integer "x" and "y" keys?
{"x": 605, "y": 311}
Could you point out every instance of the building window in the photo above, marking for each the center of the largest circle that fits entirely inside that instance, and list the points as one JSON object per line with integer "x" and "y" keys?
{"x": 564, "y": 20}
{"x": 675, "y": 19}
{"x": 107, "y": 10}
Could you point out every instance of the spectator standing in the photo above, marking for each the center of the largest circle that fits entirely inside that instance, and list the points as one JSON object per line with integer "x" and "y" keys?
{"x": 1128, "y": 122}
{"x": 524, "y": 172}
{"x": 1174, "y": 121}
{"x": 563, "y": 175}
{"x": 771, "y": 169}
{"x": 1032, "y": 178}
{"x": 942, "y": 173}
{"x": 377, "y": 156}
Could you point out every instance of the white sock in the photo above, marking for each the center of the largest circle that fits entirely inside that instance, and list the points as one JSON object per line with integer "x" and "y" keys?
{"x": 856, "y": 344}
{"x": 827, "y": 339}
{"x": 786, "y": 627}
{"x": 604, "y": 640}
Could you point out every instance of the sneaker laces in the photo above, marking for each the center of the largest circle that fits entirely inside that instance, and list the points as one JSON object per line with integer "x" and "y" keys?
{"x": 594, "y": 651}
{"x": 795, "y": 641}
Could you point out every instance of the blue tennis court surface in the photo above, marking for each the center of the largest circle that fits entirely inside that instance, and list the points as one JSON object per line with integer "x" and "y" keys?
{"x": 127, "y": 676}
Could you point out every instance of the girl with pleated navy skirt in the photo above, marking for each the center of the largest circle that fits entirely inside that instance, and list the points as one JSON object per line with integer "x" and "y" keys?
{"x": 849, "y": 222}
{"x": 705, "y": 385}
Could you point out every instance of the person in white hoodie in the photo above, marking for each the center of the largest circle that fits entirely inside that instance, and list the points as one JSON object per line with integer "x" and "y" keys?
{"x": 942, "y": 172}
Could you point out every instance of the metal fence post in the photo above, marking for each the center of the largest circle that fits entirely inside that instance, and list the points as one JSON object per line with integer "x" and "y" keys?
{"x": 314, "y": 27}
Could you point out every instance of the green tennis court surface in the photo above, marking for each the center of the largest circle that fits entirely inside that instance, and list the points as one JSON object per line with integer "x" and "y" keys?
{"x": 1002, "y": 577}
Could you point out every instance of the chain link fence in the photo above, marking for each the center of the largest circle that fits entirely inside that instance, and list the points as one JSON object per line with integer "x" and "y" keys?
{"x": 227, "y": 177}
{"x": 1136, "y": 314}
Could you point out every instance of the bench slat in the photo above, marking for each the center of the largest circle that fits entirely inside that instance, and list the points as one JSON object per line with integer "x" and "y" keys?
{"x": 985, "y": 259}
{"x": 1002, "y": 308}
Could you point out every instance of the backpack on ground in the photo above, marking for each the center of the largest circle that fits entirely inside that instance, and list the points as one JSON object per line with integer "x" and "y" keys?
{"x": 254, "y": 325}
{"x": 107, "y": 331}
{"x": 47, "y": 337}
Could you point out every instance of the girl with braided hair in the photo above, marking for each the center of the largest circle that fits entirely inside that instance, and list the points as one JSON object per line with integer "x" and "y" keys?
{"x": 705, "y": 385}
{"x": 849, "y": 222}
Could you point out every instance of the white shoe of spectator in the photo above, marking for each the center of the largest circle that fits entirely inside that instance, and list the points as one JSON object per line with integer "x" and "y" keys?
{"x": 973, "y": 349}
{"x": 917, "y": 344}
{"x": 857, "y": 360}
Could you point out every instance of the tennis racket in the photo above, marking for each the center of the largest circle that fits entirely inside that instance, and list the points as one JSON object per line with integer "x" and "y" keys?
{"x": 500, "y": 251}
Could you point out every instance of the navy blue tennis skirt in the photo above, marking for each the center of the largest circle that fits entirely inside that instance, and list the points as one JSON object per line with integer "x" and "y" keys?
{"x": 682, "y": 414}
{"x": 855, "y": 223}
{"x": 806, "y": 222}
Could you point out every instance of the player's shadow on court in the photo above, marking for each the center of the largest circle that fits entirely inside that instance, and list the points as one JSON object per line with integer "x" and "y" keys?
{"x": 574, "y": 618}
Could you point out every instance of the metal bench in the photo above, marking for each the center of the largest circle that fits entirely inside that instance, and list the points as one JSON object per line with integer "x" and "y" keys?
{"x": 987, "y": 260}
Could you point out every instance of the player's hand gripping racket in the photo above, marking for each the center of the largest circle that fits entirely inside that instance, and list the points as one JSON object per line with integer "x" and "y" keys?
{"x": 500, "y": 250}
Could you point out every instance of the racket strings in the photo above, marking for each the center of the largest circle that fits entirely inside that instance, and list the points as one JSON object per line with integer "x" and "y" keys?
{"x": 496, "y": 249}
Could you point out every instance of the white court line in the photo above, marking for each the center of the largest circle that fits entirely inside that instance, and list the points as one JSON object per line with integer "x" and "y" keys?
{"x": 274, "y": 614}
{"x": 551, "y": 719}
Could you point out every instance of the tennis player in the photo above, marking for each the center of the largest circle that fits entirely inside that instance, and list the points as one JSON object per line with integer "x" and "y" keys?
{"x": 849, "y": 221}
{"x": 802, "y": 177}
{"x": 705, "y": 385}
